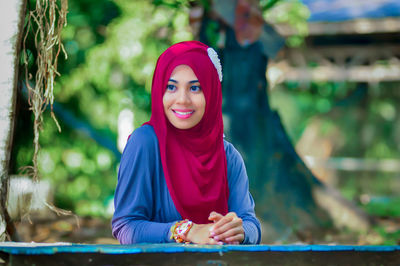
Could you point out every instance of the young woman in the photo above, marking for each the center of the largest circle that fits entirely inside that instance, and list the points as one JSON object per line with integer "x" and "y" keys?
{"x": 179, "y": 180}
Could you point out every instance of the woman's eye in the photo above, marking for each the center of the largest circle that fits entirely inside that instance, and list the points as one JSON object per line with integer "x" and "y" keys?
{"x": 171, "y": 87}
{"x": 195, "y": 88}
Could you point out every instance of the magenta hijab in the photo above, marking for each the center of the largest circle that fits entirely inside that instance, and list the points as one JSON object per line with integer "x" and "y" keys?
{"x": 193, "y": 160}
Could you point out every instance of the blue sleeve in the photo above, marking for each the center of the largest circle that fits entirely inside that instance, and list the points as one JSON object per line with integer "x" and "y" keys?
{"x": 240, "y": 200}
{"x": 134, "y": 196}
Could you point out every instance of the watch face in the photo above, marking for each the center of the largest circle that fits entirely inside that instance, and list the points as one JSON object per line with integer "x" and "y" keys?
{"x": 183, "y": 228}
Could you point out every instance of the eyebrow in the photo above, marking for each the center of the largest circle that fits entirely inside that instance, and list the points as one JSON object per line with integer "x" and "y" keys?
{"x": 191, "y": 82}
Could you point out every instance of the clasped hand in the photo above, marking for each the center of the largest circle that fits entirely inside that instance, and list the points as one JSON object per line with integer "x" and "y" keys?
{"x": 226, "y": 229}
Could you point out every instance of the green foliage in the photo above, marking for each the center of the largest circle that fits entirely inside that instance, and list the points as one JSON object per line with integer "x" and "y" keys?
{"x": 389, "y": 237}
{"x": 357, "y": 121}
{"x": 267, "y": 4}
{"x": 291, "y": 12}
{"x": 172, "y": 3}
{"x": 383, "y": 206}
{"x": 367, "y": 124}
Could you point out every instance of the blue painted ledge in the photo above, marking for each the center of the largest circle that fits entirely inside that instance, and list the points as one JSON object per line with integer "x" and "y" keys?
{"x": 16, "y": 248}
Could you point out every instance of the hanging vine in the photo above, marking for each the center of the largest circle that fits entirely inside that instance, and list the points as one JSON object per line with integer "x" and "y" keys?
{"x": 45, "y": 22}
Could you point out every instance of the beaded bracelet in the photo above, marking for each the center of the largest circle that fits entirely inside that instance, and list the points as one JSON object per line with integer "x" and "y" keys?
{"x": 180, "y": 229}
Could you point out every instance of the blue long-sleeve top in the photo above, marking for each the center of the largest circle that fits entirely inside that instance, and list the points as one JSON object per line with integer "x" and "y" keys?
{"x": 144, "y": 209}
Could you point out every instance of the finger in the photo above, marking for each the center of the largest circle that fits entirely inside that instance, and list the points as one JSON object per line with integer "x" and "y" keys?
{"x": 235, "y": 240}
{"x": 215, "y": 216}
{"x": 225, "y": 219}
{"x": 229, "y": 234}
{"x": 235, "y": 222}
{"x": 212, "y": 241}
{"x": 214, "y": 213}
{"x": 218, "y": 215}
{"x": 223, "y": 224}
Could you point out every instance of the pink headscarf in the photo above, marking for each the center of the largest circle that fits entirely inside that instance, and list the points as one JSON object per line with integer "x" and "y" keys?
{"x": 193, "y": 160}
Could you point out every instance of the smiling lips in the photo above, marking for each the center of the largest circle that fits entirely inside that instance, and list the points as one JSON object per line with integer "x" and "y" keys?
{"x": 183, "y": 113}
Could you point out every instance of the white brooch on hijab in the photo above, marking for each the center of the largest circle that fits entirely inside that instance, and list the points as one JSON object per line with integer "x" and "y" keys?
{"x": 212, "y": 54}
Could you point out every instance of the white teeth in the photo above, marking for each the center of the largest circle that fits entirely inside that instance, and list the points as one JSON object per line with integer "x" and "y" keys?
{"x": 183, "y": 113}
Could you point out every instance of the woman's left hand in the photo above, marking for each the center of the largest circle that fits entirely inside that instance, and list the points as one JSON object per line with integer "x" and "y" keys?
{"x": 227, "y": 229}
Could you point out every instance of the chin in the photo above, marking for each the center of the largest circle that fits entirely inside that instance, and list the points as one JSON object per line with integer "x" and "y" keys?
{"x": 181, "y": 125}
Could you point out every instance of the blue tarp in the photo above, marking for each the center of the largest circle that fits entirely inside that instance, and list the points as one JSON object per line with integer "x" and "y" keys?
{"x": 341, "y": 10}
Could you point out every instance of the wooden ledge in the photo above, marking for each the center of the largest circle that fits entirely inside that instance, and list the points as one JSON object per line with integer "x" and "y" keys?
{"x": 180, "y": 254}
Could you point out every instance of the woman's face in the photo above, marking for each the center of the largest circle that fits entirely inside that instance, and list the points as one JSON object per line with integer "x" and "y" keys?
{"x": 183, "y": 100}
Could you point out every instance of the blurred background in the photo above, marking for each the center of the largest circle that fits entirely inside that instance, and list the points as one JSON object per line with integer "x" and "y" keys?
{"x": 331, "y": 94}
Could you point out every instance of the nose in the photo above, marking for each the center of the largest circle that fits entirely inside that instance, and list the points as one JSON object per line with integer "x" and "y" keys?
{"x": 183, "y": 96}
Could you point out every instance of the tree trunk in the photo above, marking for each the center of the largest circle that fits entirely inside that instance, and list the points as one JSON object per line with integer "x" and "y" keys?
{"x": 12, "y": 14}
